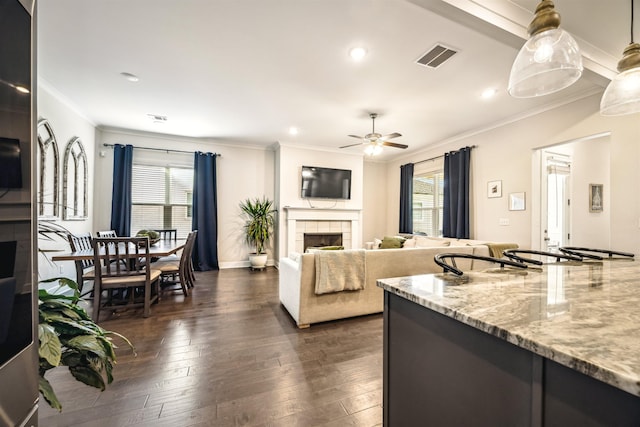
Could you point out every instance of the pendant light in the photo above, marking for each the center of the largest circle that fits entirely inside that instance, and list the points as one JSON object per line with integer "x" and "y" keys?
{"x": 549, "y": 61}
{"x": 622, "y": 96}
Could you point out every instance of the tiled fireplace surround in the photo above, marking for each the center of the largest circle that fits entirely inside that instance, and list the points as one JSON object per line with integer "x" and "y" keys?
{"x": 316, "y": 220}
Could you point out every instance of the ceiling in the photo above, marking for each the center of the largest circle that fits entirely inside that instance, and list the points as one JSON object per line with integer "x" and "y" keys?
{"x": 244, "y": 72}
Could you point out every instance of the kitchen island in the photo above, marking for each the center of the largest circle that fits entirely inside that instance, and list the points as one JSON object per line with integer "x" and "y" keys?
{"x": 556, "y": 345}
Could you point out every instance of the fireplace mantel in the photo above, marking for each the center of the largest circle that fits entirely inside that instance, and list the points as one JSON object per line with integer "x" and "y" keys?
{"x": 296, "y": 214}
{"x": 323, "y": 214}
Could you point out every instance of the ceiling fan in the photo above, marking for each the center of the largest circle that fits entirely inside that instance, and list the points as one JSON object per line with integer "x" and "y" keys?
{"x": 375, "y": 141}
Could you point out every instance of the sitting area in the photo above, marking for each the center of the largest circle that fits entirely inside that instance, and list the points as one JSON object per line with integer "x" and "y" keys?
{"x": 300, "y": 275}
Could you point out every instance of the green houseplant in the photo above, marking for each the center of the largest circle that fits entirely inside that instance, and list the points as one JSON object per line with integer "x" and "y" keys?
{"x": 154, "y": 236}
{"x": 68, "y": 337}
{"x": 258, "y": 227}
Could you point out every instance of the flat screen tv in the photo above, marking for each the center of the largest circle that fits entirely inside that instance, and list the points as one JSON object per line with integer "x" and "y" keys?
{"x": 10, "y": 163}
{"x": 325, "y": 183}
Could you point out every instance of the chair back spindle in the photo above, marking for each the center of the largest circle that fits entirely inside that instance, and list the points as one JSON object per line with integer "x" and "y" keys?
{"x": 84, "y": 268}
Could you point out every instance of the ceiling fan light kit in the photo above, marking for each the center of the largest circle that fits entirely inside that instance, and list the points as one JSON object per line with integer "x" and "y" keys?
{"x": 373, "y": 149}
{"x": 549, "y": 61}
{"x": 375, "y": 141}
{"x": 622, "y": 95}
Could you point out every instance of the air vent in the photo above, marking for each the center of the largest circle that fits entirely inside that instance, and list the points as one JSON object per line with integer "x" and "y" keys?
{"x": 436, "y": 56}
{"x": 156, "y": 118}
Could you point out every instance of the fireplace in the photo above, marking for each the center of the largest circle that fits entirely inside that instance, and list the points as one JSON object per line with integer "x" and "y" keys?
{"x": 302, "y": 221}
{"x": 315, "y": 240}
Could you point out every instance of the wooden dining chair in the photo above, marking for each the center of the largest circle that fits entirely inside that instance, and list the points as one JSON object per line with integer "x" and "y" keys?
{"x": 168, "y": 234}
{"x": 176, "y": 274}
{"x": 124, "y": 270}
{"x": 84, "y": 268}
{"x": 171, "y": 235}
{"x": 192, "y": 276}
{"x": 106, "y": 233}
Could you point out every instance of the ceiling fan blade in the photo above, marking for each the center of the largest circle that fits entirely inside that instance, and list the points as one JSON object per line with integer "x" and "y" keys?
{"x": 352, "y": 145}
{"x": 394, "y": 144}
{"x": 356, "y": 136}
{"x": 391, "y": 135}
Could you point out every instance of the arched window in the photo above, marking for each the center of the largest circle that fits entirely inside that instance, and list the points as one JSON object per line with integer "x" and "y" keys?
{"x": 48, "y": 181}
{"x": 74, "y": 185}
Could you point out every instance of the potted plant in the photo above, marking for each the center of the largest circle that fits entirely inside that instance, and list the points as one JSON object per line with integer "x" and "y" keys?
{"x": 68, "y": 337}
{"x": 258, "y": 228}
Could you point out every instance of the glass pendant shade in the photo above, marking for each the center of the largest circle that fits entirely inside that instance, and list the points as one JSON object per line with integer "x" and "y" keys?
{"x": 548, "y": 62}
{"x": 622, "y": 96}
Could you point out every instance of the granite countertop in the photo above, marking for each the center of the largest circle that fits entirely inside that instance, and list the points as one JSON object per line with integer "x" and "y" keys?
{"x": 585, "y": 316}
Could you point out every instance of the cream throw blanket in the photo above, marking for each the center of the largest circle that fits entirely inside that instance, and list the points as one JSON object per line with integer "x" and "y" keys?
{"x": 339, "y": 271}
{"x": 496, "y": 249}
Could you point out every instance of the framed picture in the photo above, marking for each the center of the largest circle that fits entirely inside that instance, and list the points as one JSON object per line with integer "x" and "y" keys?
{"x": 595, "y": 197}
{"x": 516, "y": 202}
{"x": 494, "y": 189}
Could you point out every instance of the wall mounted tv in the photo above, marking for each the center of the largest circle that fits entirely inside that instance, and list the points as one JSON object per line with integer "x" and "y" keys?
{"x": 10, "y": 163}
{"x": 325, "y": 183}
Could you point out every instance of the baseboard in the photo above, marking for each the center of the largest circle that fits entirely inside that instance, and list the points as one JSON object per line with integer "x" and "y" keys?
{"x": 242, "y": 264}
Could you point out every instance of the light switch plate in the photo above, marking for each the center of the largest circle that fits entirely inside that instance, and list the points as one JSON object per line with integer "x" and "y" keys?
{"x": 504, "y": 221}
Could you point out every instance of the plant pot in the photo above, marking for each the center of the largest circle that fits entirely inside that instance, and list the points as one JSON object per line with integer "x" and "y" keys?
{"x": 258, "y": 260}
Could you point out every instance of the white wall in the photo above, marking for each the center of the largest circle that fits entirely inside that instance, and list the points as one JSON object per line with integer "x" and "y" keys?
{"x": 505, "y": 153}
{"x": 375, "y": 201}
{"x": 290, "y": 160}
{"x": 242, "y": 172}
{"x": 590, "y": 165}
{"x": 66, "y": 123}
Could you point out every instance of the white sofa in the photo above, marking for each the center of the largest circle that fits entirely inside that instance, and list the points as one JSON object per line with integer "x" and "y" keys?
{"x": 298, "y": 280}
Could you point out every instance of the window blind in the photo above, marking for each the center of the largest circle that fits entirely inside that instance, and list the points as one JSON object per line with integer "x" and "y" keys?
{"x": 161, "y": 198}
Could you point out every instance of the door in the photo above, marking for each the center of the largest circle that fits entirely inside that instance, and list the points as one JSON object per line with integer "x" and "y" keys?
{"x": 556, "y": 200}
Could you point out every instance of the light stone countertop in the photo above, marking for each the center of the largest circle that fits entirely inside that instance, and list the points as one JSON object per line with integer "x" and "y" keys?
{"x": 585, "y": 316}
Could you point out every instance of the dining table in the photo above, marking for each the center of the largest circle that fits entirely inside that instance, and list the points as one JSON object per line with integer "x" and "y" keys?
{"x": 157, "y": 250}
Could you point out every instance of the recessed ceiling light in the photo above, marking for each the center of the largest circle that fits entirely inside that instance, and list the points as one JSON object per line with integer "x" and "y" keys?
{"x": 293, "y": 130}
{"x": 357, "y": 53}
{"x": 130, "y": 77}
{"x": 489, "y": 93}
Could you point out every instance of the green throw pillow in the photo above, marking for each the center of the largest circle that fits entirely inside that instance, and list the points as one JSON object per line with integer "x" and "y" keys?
{"x": 331, "y": 248}
{"x": 392, "y": 242}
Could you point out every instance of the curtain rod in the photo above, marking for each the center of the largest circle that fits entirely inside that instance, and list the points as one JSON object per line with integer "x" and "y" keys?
{"x": 166, "y": 150}
{"x": 437, "y": 157}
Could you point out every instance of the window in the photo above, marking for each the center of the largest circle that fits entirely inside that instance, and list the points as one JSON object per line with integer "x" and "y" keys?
{"x": 428, "y": 198}
{"x": 161, "y": 198}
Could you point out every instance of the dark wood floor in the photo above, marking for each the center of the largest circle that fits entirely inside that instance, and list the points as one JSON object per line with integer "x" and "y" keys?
{"x": 230, "y": 355}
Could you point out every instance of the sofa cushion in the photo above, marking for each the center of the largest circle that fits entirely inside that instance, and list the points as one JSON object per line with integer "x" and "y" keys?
{"x": 409, "y": 243}
{"x": 430, "y": 242}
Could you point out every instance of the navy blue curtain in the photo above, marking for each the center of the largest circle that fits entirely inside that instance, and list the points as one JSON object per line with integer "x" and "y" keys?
{"x": 456, "y": 194}
{"x": 121, "y": 193}
{"x": 205, "y": 212}
{"x": 406, "y": 198}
